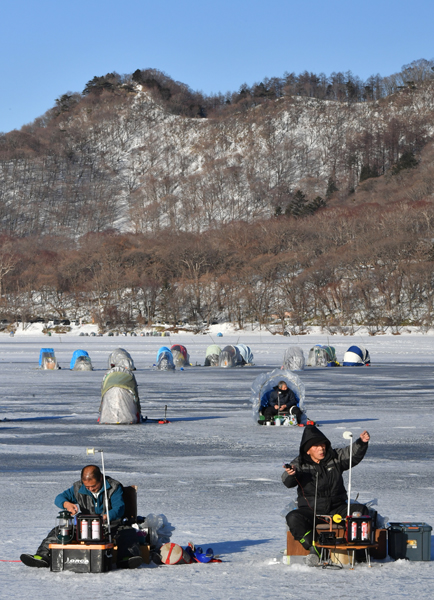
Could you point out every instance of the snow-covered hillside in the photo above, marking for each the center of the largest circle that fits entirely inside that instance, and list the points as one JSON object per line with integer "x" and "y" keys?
{"x": 125, "y": 162}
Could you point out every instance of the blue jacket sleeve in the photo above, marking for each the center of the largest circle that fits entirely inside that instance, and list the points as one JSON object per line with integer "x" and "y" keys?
{"x": 118, "y": 505}
{"x": 66, "y": 496}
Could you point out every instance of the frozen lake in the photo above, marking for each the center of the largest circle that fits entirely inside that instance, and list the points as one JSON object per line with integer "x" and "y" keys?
{"x": 213, "y": 472}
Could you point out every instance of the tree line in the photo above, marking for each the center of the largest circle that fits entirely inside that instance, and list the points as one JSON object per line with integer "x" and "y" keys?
{"x": 339, "y": 268}
{"x": 178, "y": 98}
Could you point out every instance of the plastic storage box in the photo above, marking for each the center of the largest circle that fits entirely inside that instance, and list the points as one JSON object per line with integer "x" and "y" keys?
{"x": 410, "y": 540}
{"x": 81, "y": 558}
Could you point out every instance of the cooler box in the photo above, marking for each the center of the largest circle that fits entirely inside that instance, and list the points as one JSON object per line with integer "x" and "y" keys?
{"x": 81, "y": 558}
{"x": 410, "y": 540}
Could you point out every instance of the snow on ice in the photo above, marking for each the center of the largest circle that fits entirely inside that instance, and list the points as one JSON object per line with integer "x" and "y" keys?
{"x": 213, "y": 471}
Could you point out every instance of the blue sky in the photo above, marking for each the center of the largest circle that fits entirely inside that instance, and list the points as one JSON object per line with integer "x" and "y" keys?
{"x": 49, "y": 48}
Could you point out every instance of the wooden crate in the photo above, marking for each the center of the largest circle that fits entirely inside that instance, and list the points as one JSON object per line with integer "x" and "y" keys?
{"x": 294, "y": 548}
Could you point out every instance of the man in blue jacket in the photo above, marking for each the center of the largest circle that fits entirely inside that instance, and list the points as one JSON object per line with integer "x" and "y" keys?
{"x": 86, "y": 496}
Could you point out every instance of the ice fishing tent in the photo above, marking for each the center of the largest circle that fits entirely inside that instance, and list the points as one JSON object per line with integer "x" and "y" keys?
{"x": 356, "y": 356}
{"x": 47, "y": 359}
{"x": 80, "y": 361}
{"x": 165, "y": 359}
{"x": 322, "y": 356}
{"x": 293, "y": 359}
{"x": 230, "y": 357}
{"x": 120, "y": 402}
{"x": 246, "y": 354}
{"x": 264, "y": 384}
{"x": 180, "y": 355}
{"x": 212, "y": 356}
{"x": 121, "y": 358}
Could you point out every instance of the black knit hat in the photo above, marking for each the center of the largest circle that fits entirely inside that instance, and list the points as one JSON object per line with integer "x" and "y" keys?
{"x": 312, "y": 436}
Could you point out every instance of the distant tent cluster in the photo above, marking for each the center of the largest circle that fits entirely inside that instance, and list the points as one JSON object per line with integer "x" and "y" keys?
{"x": 80, "y": 360}
{"x": 168, "y": 359}
{"x": 231, "y": 356}
{"x": 120, "y": 403}
{"x": 324, "y": 356}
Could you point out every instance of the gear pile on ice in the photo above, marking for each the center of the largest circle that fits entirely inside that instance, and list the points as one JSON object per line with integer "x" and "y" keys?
{"x": 173, "y": 554}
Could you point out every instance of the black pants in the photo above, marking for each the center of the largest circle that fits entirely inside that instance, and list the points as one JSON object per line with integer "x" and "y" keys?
{"x": 269, "y": 412}
{"x": 300, "y": 521}
{"x": 123, "y": 536}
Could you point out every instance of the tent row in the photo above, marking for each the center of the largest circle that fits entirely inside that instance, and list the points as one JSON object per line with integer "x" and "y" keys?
{"x": 81, "y": 361}
{"x": 324, "y": 356}
{"x": 168, "y": 359}
{"x": 231, "y": 356}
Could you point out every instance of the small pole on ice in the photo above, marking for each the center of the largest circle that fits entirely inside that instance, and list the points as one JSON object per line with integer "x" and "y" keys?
{"x": 314, "y": 510}
{"x": 349, "y": 436}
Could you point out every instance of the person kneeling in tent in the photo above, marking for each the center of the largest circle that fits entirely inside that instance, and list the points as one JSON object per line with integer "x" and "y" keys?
{"x": 317, "y": 472}
{"x": 282, "y": 401}
{"x": 87, "y": 497}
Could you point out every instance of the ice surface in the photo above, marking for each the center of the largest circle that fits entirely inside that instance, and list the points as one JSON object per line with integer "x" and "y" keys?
{"x": 212, "y": 471}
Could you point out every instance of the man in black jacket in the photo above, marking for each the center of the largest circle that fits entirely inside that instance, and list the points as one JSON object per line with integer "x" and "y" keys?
{"x": 282, "y": 400}
{"x": 319, "y": 468}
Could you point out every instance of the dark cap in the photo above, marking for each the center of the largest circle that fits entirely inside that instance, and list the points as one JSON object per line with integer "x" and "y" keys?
{"x": 312, "y": 436}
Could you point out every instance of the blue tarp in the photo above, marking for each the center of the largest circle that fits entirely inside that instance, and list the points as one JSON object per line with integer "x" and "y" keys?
{"x": 165, "y": 359}
{"x": 43, "y": 351}
{"x": 75, "y": 355}
{"x": 163, "y": 349}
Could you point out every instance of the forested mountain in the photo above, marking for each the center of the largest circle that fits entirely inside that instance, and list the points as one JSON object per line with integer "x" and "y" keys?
{"x": 128, "y": 154}
{"x": 301, "y": 200}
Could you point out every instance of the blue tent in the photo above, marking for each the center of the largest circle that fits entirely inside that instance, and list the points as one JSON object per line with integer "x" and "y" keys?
{"x": 75, "y": 355}
{"x": 45, "y": 352}
{"x": 163, "y": 349}
{"x": 165, "y": 359}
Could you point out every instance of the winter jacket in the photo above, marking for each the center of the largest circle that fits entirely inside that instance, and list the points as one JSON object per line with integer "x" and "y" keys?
{"x": 331, "y": 490}
{"x": 287, "y": 397}
{"x": 78, "y": 494}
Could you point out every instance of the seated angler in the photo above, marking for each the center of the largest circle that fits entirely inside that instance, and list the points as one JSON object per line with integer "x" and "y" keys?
{"x": 282, "y": 401}
{"x": 87, "y": 497}
{"x": 317, "y": 472}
